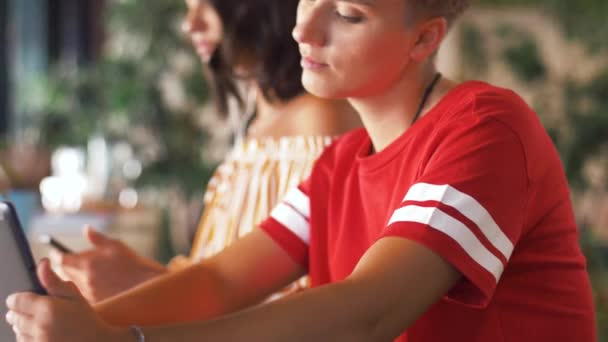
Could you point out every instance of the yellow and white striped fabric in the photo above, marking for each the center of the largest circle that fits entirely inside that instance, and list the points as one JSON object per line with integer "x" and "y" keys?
{"x": 248, "y": 185}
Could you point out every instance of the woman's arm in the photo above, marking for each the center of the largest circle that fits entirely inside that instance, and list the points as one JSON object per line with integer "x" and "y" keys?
{"x": 395, "y": 283}
{"x": 242, "y": 275}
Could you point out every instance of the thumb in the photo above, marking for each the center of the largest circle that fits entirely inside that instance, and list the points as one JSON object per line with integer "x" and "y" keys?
{"x": 53, "y": 284}
{"x": 95, "y": 238}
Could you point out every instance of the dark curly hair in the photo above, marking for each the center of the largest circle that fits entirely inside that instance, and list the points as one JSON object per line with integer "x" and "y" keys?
{"x": 261, "y": 31}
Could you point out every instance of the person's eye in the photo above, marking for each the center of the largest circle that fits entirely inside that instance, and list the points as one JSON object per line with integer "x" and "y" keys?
{"x": 353, "y": 19}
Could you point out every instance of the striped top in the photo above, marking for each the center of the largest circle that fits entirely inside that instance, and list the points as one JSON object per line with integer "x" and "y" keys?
{"x": 248, "y": 184}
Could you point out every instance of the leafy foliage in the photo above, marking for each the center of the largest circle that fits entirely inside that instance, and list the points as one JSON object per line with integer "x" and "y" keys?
{"x": 145, "y": 88}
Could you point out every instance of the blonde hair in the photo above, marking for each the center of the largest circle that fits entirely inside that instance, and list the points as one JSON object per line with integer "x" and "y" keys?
{"x": 449, "y": 9}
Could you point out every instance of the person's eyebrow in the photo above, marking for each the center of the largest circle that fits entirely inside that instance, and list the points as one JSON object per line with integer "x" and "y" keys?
{"x": 361, "y": 2}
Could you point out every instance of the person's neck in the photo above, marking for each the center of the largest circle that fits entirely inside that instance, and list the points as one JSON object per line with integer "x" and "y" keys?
{"x": 279, "y": 118}
{"x": 266, "y": 109}
{"x": 388, "y": 115}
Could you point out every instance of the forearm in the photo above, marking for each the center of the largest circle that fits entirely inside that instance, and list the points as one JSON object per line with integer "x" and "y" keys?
{"x": 339, "y": 312}
{"x": 194, "y": 293}
{"x": 243, "y": 274}
{"x": 395, "y": 282}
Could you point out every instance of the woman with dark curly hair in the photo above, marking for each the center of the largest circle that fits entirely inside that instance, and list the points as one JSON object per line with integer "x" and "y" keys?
{"x": 253, "y": 65}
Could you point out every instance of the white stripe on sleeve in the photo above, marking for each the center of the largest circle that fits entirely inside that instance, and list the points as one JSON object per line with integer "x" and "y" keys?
{"x": 441, "y": 221}
{"x": 299, "y": 200}
{"x": 292, "y": 220}
{"x": 468, "y": 207}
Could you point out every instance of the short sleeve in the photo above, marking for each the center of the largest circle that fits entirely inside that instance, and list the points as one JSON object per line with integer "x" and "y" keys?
{"x": 289, "y": 223}
{"x": 468, "y": 204}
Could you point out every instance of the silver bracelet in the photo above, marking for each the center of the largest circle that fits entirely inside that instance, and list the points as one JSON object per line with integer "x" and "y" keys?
{"x": 138, "y": 332}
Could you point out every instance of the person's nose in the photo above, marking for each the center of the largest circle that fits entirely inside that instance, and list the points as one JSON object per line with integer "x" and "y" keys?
{"x": 309, "y": 29}
{"x": 193, "y": 22}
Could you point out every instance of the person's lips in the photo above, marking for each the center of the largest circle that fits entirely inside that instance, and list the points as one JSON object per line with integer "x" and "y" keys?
{"x": 310, "y": 63}
{"x": 204, "y": 48}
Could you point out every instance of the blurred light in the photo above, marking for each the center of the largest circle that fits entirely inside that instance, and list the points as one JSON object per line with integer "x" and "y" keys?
{"x": 128, "y": 198}
{"x": 132, "y": 169}
{"x": 122, "y": 152}
{"x": 67, "y": 161}
{"x": 62, "y": 194}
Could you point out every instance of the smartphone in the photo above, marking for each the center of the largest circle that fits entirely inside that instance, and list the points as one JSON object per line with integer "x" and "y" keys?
{"x": 17, "y": 269}
{"x": 51, "y": 241}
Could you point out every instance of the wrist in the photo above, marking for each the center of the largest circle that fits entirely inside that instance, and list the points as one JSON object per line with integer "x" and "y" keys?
{"x": 151, "y": 270}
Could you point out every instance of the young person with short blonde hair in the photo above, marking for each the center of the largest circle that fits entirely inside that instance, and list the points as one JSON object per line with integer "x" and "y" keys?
{"x": 447, "y": 218}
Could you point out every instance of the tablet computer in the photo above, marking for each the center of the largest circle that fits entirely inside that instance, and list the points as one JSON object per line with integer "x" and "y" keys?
{"x": 17, "y": 266}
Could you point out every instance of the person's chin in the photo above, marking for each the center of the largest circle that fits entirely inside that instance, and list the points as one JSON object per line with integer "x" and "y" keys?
{"x": 205, "y": 56}
{"x": 320, "y": 89}
{"x": 206, "y": 59}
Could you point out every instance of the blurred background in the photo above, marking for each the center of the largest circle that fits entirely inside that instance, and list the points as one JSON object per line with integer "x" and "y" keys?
{"x": 102, "y": 121}
{"x": 104, "y": 116}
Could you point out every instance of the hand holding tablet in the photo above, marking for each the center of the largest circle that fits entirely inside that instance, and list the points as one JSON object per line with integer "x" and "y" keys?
{"x": 29, "y": 312}
{"x": 17, "y": 269}
{"x": 62, "y": 316}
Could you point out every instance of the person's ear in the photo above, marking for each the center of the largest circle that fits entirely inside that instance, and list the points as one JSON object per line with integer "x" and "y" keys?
{"x": 430, "y": 34}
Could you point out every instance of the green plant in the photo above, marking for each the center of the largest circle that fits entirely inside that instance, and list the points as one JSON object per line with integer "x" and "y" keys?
{"x": 145, "y": 88}
{"x": 522, "y": 56}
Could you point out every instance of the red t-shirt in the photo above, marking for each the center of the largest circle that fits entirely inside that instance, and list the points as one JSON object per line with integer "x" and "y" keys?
{"x": 478, "y": 181}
